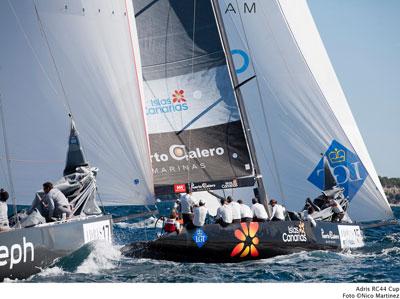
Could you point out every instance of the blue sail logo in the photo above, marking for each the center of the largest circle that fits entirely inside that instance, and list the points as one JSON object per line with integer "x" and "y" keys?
{"x": 347, "y": 169}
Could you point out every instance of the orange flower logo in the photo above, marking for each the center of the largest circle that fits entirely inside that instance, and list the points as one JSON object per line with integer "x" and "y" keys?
{"x": 248, "y": 240}
{"x": 178, "y": 96}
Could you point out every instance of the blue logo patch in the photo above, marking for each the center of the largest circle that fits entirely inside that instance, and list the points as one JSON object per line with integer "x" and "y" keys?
{"x": 245, "y": 58}
{"x": 199, "y": 237}
{"x": 347, "y": 169}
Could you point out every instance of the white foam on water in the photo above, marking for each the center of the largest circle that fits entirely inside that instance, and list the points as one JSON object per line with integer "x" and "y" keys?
{"x": 391, "y": 250}
{"x": 104, "y": 256}
{"x": 394, "y": 238}
{"x": 53, "y": 271}
{"x": 9, "y": 280}
{"x": 147, "y": 223}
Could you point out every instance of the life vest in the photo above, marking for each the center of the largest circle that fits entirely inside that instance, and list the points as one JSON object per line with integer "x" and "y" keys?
{"x": 170, "y": 226}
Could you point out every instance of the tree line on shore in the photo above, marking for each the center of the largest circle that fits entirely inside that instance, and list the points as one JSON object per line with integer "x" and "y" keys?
{"x": 392, "y": 188}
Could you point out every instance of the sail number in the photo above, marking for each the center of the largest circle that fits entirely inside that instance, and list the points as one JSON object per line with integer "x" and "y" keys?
{"x": 100, "y": 230}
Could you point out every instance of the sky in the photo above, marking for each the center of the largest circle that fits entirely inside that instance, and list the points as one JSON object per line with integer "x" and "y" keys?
{"x": 362, "y": 38}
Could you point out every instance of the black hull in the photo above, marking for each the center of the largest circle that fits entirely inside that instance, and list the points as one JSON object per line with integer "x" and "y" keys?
{"x": 24, "y": 252}
{"x": 214, "y": 243}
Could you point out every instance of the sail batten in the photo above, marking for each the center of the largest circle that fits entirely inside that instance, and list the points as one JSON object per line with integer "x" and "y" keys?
{"x": 297, "y": 109}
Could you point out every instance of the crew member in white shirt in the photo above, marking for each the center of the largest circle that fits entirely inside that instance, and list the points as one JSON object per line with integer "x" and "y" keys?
{"x": 200, "y": 214}
{"x": 259, "y": 212}
{"x": 187, "y": 204}
{"x": 278, "y": 211}
{"x": 308, "y": 216}
{"x": 338, "y": 212}
{"x": 246, "y": 214}
{"x": 224, "y": 214}
{"x": 4, "y": 225}
{"x": 235, "y": 210}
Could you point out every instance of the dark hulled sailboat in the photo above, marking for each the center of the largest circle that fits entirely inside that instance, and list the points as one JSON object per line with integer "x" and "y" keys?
{"x": 290, "y": 105}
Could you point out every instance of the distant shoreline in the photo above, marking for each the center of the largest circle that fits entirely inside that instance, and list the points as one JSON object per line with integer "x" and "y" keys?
{"x": 391, "y": 186}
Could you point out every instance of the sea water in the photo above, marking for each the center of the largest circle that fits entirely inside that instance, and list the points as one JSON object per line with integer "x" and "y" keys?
{"x": 102, "y": 262}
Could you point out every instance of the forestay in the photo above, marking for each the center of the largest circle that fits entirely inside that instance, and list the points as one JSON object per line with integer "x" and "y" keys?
{"x": 79, "y": 57}
{"x": 195, "y": 130}
{"x": 296, "y": 107}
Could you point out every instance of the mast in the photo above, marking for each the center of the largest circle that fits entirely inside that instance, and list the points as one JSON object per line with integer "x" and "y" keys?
{"x": 7, "y": 154}
{"x": 239, "y": 98}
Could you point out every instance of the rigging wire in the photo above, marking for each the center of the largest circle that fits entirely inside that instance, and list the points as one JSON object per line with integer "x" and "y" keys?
{"x": 41, "y": 26}
{"x": 32, "y": 48}
{"x": 7, "y": 154}
{"x": 254, "y": 132}
{"x": 269, "y": 135}
{"x": 101, "y": 201}
{"x": 192, "y": 73}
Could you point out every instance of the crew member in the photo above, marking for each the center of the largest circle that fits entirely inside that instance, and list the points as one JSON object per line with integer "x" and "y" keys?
{"x": 200, "y": 214}
{"x": 4, "y": 225}
{"x": 177, "y": 206}
{"x": 187, "y": 204}
{"x": 235, "y": 210}
{"x": 322, "y": 201}
{"x": 171, "y": 224}
{"x": 338, "y": 212}
{"x": 54, "y": 204}
{"x": 224, "y": 214}
{"x": 308, "y": 216}
{"x": 259, "y": 212}
{"x": 246, "y": 214}
{"x": 278, "y": 211}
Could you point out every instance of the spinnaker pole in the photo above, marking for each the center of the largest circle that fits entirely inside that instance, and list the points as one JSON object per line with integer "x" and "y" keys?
{"x": 239, "y": 99}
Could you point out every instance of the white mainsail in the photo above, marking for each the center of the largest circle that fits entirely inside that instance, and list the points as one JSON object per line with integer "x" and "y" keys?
{"x": 78, "y": 57}
{"x": 296, "y": 107}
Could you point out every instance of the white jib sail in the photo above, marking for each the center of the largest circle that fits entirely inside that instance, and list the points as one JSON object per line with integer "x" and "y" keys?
{"x": 296, "y": 107}
{"x": 80, "y": 57}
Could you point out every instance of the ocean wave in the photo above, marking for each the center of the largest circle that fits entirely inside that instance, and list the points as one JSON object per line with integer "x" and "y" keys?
{"x": 392, "y": 238}
{"x": 89, "y": 260}
{"x": 104, "y": 256}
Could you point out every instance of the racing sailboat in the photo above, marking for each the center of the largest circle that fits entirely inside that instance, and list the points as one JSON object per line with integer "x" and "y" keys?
{"x": 69, "y": 66}
{"x": 299, "y": 131}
